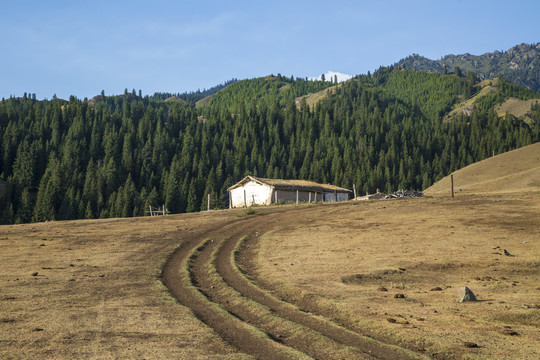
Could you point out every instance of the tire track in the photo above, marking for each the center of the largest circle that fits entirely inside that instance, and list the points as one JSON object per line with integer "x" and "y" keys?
{"x": 234, "y": 276}
{"x": 281, "y": 330}
{"x": 204, "y": 276}
{"x": 176, "y": 277}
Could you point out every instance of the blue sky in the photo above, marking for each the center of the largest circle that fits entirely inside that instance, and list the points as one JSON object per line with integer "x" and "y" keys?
{"x": 82, "y": 47}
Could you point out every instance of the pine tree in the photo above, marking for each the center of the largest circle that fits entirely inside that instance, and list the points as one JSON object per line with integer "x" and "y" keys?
{"x": 26, "y": 207}
{"x": 173, "y": 188}
{"x": 50, "y": 193}
{"x": 192, "y": 202}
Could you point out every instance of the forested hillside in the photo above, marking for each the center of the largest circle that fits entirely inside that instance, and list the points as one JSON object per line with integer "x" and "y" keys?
{"x": 270, "y": 89}
{"x": 117, "y": 155}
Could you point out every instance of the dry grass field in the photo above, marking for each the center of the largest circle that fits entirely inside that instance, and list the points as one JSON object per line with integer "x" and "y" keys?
{"x": 97, "y": 292}
{"x": 288, "y": 282}
{"x": 516, "y": 107}
{"x": 352, "y": 260}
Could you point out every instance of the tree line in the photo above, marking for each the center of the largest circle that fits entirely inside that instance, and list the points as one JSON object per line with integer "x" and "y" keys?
{"x": 117, "y": 155}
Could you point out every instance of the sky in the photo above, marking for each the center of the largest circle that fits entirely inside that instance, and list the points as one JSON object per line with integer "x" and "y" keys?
{"x": 65, "y": 47}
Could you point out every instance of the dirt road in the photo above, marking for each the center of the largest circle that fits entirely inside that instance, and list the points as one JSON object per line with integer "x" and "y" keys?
{"x": 213, "y": 274}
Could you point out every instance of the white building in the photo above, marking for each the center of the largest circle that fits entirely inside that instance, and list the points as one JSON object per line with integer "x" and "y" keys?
{"x": 259, "y": 191}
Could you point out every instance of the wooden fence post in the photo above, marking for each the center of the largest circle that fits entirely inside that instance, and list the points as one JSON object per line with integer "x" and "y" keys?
{"x": 310, "y": 197}
{"x": 245, "y": 200}
{"x": 150, "y": 206}
{"x": 296, "y": 197}
{"x": 354, "y": 189}
{"x": 275, "y": 196}
{"x": 452, "y": 184}
{"x": 208, "y": 209}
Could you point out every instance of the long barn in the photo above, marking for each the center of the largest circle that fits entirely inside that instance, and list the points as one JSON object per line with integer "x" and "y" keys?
{"x": 252, "y": 190}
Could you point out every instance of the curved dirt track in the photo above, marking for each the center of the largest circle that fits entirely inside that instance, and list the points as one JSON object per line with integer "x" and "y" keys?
{"x": 212, "y": 274}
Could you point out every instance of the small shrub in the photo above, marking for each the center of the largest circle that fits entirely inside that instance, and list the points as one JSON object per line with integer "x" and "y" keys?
{"x": 248, "y": 211}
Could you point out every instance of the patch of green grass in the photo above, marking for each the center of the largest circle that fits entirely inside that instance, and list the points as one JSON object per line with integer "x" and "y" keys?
{"x": 248, "y": 212}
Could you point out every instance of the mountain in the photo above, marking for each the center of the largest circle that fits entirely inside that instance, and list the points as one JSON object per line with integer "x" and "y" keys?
{"x": 519, "y": 64}
{"x": 114, "y": 156}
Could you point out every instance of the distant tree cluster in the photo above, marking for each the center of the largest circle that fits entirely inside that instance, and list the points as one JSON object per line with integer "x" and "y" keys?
{"x": 116, "y": 157}
{"x": 193, "y": 96}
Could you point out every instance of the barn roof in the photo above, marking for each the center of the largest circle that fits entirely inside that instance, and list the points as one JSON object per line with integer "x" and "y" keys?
{"x": 281, "y": 184}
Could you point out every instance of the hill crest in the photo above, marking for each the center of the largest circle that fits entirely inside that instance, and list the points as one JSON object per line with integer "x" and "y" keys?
{"x": 519, "y": 64}
{"x": 513, "y": 171}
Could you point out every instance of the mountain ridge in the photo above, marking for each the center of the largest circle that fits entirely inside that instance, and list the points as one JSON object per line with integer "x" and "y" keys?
{"x": 520, "y": 64}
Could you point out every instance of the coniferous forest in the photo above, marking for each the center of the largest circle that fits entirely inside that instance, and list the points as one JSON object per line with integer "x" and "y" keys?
{"x": 113, "y": 156}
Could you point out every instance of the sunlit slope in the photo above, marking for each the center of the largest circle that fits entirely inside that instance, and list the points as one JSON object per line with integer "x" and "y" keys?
{"x": 514, "y": 171}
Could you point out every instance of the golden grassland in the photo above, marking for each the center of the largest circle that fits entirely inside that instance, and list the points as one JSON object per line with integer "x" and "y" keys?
{"x": 516, "y": 171}
{"x": 97, "y": 292}
{"x": 516, "y": 107}
{"x": 426, "y": 249}
{"x": 343, "y": 257}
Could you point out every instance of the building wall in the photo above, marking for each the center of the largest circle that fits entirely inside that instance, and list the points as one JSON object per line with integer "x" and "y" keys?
{"x": 258, "y": 194}
{"x": 254, "y": 194}
{"x": 303, "y": 196}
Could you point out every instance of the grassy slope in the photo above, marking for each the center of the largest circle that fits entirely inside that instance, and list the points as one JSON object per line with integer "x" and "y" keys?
{"x": 314, "y": 98}
{"x": 515, "y": 107}
{"x": 514, "y": 171}
{"x": 203, "y": 102}
{"x": 466, "y": 106}
{"x": 175, "y": 99}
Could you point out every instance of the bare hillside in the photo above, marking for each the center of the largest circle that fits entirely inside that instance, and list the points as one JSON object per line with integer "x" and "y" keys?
{"x": 514, "y": 171}
{"x": 314, "y": 98}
